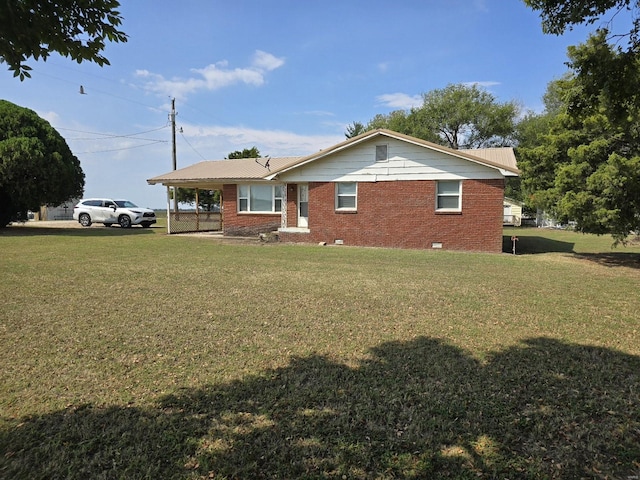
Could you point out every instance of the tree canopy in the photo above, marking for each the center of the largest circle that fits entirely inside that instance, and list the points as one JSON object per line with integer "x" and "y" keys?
{"x": 354, "y": 129}
{"x": 36, "y": 165}
{"x": 207, "y": 199}
{"x": 586, "y": 167}
{"x": 560, "y": 15}
{"x": 466, "y": 116}
{"x": 35, "y": 28}
{"x": 252, "y": 152}
{"x": 458, "y": 116}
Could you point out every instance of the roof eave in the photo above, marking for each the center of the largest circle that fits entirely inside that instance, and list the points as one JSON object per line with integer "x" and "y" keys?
{"x": 323, "y": 153}
{"x": 398, "y": 136}
{"x": 199, "y": 181}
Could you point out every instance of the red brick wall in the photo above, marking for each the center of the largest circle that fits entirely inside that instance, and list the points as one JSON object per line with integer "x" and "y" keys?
{"x": 244, "y": 224}
{"x": 402, "y": 214}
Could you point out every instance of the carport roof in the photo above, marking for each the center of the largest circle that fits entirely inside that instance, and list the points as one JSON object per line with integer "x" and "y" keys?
{"x": 215, "y": 172}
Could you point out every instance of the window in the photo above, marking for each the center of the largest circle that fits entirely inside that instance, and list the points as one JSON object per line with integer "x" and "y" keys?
{"x": 277, "y": 198}
{"x": 448, "y": 196}
{"x": 346, "y": 195}
{"x": 381, "y": 153}
{"x": 126, "y": 204}
{"x": 260, "y": 198}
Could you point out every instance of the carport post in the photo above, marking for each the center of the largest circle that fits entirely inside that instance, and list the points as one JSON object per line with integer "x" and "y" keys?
{"x": 168, "y": 209}
{"x": 197, "y": 210}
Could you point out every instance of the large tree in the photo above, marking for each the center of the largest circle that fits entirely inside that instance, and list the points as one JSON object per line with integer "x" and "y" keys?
{"x": 36, "y": 165}
{"x": 532, "y": 132}
{"x": 458, "y": 116}
{"x": 467, "y": 116}
{"x": 588, "y": 170}
{"x": 587, "y": 167}
{"x": 35, "y": 28}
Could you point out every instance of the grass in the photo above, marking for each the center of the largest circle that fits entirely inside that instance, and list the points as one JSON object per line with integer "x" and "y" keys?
{"x": 132, "y": 354}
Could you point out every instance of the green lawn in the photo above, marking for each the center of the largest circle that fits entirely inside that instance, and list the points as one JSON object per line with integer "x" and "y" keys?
{"x": 133, "y": 354}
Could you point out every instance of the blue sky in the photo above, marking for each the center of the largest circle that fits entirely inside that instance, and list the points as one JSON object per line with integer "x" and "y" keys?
{"x": 286, "y": 76}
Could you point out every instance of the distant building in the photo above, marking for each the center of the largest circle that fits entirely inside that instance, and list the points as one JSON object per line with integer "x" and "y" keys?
{"x": 64, "y": 211}
{"x": 512, "y": 212}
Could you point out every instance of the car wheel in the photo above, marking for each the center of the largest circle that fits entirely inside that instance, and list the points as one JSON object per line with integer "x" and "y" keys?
{"x": 84, "y": 219}
{"x": 108, "y": 224}
{"x": 124, "y": 221}
{"x": 145, "y": 224}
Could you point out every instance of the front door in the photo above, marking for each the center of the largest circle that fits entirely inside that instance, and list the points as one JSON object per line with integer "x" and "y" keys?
{"x": 303, "y": 205}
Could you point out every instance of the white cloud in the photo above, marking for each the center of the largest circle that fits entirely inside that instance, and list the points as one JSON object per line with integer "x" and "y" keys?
{"x": 212, "y": 77}
{"x": 484, "y": 84}
{"x": 51, "y": 117}
{"x": 217, "y": 76}
{"x": 266, "y": 61}
{"x": 399, "y": 100}
{"x": 319, "y": 113}
{"x": 276, "y": 143}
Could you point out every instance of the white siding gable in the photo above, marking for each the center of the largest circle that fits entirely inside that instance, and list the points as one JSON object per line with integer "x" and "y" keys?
{"x": 406, "y": 161}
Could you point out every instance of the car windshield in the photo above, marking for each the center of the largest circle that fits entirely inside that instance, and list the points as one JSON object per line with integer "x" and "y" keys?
{"x": 125, "y": 204}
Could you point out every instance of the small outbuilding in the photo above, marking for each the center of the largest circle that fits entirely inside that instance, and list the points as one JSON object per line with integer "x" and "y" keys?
{"x": 64, "y": 211}
{"x": 512, "y": 212}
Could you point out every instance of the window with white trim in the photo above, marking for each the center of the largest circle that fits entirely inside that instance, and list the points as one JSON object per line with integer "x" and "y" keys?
{"x": 346, "y": 196}
{"x": 260, "y": 198}
{"x": 448, "y": 196}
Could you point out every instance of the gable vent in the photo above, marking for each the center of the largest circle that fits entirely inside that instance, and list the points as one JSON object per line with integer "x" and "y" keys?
{"x": 381, "y": 153}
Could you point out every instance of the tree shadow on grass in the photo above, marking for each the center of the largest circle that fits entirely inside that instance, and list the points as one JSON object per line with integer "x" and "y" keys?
{"x": 93, "y": 231}
{"x": 528, "y": 245}
{"x": 613, "y": 259}
{"x": 423, "y": 409}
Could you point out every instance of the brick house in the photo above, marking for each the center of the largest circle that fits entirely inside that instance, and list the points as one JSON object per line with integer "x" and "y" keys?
{"x": 380, "y": 188}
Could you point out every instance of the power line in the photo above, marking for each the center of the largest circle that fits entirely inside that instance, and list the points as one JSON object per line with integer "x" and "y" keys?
{"x": 192, "y": 147}
{"x": 78, "y": 139}
{"x": 90, "y": 89}
{"x": 110, "y": 135}
{"x": 123, "y": 148}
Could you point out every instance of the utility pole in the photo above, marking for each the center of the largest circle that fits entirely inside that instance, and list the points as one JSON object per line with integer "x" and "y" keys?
{"x": 173, "y": 150}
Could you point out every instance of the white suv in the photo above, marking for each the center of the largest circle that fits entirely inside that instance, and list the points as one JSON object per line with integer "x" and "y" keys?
{"x": 108, "y": 212}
